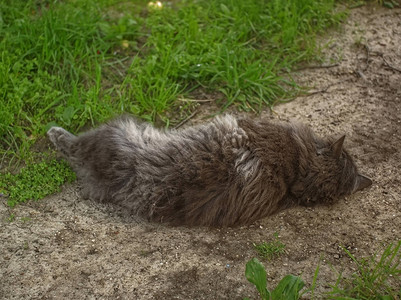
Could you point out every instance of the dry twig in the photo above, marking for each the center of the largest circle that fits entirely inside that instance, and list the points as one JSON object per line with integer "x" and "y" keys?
{"x": 317, "y": 67}
{"x": 186, "y": 119}
{"x": 324, "y": 90}
{"x": 390, "y": 66}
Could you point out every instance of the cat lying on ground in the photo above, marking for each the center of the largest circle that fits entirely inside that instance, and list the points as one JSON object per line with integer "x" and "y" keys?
{"x": 224, "y": 173}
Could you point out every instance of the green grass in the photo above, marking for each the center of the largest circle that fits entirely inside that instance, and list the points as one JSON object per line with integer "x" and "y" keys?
{"x": 50, "y": 72}
{"x": 78, "y": 63}
{"x": 240, "y": 48}
{"x": 35, "y": 181}
{"x": 377, "y": 277}
{"x": 270, "y": 250}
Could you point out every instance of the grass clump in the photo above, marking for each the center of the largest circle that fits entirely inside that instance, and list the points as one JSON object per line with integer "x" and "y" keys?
{"x": 270, "y": 250}
{"x": 377, "y": 277}
{"x": 35, "y": 181}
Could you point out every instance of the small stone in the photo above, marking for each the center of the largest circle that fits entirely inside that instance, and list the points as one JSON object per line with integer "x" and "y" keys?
{"x": 336, "y": 256}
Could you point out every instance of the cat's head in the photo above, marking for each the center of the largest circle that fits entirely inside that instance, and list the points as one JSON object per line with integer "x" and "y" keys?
{"x": 327, "y": 173}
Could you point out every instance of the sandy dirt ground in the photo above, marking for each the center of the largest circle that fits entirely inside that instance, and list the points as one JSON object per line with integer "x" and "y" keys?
{"x": 64, "y": 247}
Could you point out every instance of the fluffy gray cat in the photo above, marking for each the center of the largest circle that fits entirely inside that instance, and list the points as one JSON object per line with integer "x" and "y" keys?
{"x": 227, "y": 172}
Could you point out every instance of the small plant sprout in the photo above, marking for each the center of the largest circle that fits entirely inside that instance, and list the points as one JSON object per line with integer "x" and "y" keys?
{"x": 270, "y": 250}
{"x": 11, "y": 218}
{"x": 288, "y": 288}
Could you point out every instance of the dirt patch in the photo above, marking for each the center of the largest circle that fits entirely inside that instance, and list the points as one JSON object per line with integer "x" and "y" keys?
{"x": 64, "y": 247}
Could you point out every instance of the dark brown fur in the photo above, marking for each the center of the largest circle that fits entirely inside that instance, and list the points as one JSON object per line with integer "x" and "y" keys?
{"x": 224, "y": 173}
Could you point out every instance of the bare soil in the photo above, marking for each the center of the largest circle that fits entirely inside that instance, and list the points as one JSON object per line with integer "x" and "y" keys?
{"x": 65, "y": 247}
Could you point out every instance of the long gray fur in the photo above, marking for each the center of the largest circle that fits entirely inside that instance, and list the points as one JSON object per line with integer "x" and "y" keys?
{"x": 226, "y": 172}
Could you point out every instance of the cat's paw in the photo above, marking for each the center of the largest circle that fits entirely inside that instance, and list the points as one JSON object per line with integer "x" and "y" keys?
{"x": 61, "y": 139}
{"x": 57, "y": 135}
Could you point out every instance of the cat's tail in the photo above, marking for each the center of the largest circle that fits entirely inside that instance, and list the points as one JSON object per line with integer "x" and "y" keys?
{"x": 62, "y": 140}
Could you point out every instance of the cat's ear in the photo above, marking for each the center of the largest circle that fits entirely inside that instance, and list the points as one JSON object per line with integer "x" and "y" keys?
{"x": 337, "y": 147}
{"x": 362, "y": 182}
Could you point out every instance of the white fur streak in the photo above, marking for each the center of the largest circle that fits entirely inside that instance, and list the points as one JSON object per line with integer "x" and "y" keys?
{"x": 246, "y": 165}
{"x": 227, "y": 122}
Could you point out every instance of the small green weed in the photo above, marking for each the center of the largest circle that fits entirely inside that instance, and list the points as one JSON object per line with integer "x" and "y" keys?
{"x": 288, "y": 288}
{"x": 270, "y": 250}
{"x": 35, "y": 181}
{"x": 11, "y": 218}
{"x": 376, "y": 277}
{"x": 25, "y": 219}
